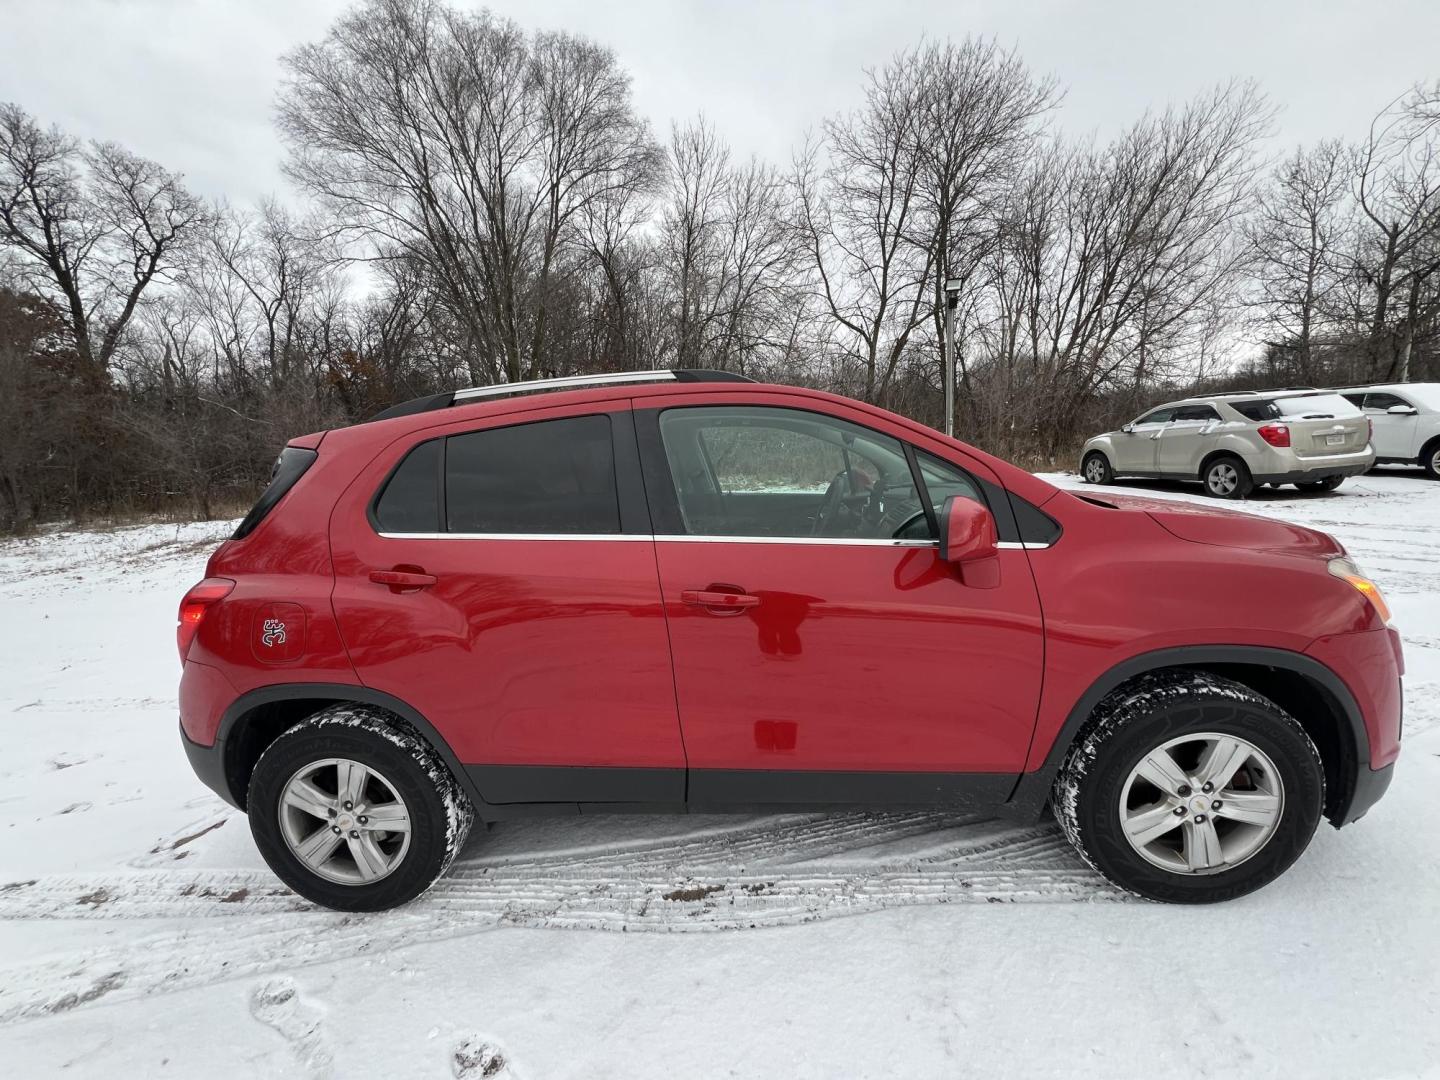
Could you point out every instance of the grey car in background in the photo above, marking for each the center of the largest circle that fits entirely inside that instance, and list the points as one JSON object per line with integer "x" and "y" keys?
{"x": 1231, "y": 442}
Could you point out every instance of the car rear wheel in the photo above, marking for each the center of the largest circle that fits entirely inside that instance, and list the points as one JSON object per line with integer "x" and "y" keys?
{"x": 1096, "y": 468}
{"x": 1227, "y": 478}
{"x": 1190, "y": 788}
{"x": 354, "y": 812}
{"x": 1329, "y": 483}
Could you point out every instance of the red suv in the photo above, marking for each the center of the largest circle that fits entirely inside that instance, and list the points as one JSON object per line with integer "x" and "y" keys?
{"x": 689, "y": 591}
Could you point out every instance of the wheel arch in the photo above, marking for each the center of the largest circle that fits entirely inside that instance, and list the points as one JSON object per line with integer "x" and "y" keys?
{"x": 1220, "y": 452}
{"x": 1430, "y": 446}
{"x": 1305, "y": 688}
{"x": 254, "y": 720}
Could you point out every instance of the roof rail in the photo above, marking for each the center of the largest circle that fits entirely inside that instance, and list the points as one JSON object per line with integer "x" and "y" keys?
{"x": 570, "y": 382}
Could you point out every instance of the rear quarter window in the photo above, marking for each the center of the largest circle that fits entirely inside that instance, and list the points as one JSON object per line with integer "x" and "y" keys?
{"x": 1320, "y": 406}
{"x": 1256, "y": 410}
{"x": 289, "y": 467}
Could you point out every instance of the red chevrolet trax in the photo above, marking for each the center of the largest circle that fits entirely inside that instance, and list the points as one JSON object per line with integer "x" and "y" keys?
{"x": 685, "y": 590}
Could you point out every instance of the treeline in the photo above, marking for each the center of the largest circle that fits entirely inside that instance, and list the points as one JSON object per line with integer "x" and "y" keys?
{"x": 481, "y": 203}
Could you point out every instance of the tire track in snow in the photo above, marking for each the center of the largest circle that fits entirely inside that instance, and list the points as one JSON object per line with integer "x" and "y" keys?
{"x": 282, "y": 932}
{"x": 763, "y": 872}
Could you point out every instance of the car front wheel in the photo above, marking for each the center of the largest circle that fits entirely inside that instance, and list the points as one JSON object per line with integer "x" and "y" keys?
{"x": 355, "y": 812}
{"x": 1190, "y": 788}
{"x": 1096, "y": 468}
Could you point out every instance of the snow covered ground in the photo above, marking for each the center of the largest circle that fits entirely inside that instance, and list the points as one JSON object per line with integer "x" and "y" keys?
{"x": 140, "y": 934}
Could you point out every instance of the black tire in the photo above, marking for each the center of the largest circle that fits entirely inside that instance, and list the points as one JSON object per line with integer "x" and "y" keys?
{"x": 1430, "y": 459}
{"x": 1329, "y": 483}
{"x": 1212, "y": 474}
{"x": 1148, "y": 712}
{"x": 1098, "y": 464}
{"x": 439, "y": 811}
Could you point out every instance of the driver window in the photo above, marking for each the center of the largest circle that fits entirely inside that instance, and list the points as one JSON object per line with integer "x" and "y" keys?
{"x": 768, "y": 472}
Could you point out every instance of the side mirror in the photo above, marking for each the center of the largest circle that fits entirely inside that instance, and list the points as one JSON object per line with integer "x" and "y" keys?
{"x": 1401, "y": 410}
{"x": 1128, "y": 429}
{"x": 968, "y": 541}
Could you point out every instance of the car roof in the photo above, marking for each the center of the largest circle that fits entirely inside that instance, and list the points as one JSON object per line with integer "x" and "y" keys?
{"x": 1241, "y": 396}
{"x": 1383, "y": 388}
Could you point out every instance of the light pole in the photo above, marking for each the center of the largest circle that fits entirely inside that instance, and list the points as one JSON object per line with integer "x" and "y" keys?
{"x": 952, "y": 298}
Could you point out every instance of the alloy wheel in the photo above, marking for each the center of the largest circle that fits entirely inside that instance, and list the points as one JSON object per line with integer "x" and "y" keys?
{"x": 1223, "y": 478}
{"x": 344, "y": 821}
{"x": 1095, "y": 471}
{"x": 1202, "y": 803}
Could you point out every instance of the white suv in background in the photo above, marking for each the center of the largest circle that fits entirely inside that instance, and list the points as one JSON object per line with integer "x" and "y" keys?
{"x": 1231, "y": 442}
{"x": 1406, "y": 422}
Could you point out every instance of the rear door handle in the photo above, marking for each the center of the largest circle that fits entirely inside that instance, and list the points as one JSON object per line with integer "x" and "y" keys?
{"x": 403, "y": 579}
{"x": 718, "y": 603}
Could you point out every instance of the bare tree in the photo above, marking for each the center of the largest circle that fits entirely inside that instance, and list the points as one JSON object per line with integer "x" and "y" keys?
{"x": 1108, "y": 254}
{"x": 456, "y": 140}
{"x": 1397, "y": 186}
{"x": 729, "y": 254}
{"x": 1298, "y": 235}
{"x": 859, "y": 204}
{"x": 95, "y": 226}
{"x": 978, "y": 124}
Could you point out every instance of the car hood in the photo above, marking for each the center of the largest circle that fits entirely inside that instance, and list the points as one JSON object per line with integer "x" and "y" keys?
{"x": 1228, "y": 528}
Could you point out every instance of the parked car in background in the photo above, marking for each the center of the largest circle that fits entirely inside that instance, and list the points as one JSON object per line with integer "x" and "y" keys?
{"x": 1231, "y": 442}
{"x": 1405, "y": 418}
{"x": 686, "y": 591}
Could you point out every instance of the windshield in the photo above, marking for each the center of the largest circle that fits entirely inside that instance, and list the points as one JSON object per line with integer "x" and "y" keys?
{"x": 1427, "y": 394}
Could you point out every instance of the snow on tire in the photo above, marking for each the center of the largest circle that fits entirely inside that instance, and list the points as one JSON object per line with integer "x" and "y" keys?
{"x": 1131, "y": 795}
{"x": 355, "y": 811}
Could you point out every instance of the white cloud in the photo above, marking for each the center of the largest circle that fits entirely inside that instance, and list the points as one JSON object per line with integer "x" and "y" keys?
{"x": 192, "y": 82}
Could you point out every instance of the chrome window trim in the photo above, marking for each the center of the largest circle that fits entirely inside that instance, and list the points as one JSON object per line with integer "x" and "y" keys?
{"x": 820, "y": 541}
{"x": 825, "y": 541}
{"x": 515, "y": 536}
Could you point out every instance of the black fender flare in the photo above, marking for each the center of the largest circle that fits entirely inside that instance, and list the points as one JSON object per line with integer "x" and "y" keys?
{"x": 1032, "y": 790}
{"x": 269, "y": 695}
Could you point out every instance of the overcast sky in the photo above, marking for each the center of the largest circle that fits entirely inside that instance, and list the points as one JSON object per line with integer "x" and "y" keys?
{"x": 191, "y": 83}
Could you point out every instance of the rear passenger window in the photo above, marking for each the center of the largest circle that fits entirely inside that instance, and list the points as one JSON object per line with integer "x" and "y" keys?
{"x": 1196, "y": 412}
{"x": 410, "y": 502}
{"x": 555, "y": 476}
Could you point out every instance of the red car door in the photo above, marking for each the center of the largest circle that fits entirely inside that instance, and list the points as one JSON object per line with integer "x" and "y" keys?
{"x": 823, "y": 652}
{"x": 499, "y": 578}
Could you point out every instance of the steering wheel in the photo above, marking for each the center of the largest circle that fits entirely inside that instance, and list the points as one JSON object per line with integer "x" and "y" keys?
{"x": 899, "y": 533}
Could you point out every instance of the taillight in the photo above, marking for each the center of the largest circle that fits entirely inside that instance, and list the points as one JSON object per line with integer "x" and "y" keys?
{"x": 1369, "y": 430}
{"x": 193, "y": 608}
{"x": 1275, "y": 434}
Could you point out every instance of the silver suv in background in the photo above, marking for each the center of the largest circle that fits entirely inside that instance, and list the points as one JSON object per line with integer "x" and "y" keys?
{"x": 1405, "y": 418}
{"x": 1231, "y": 442}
